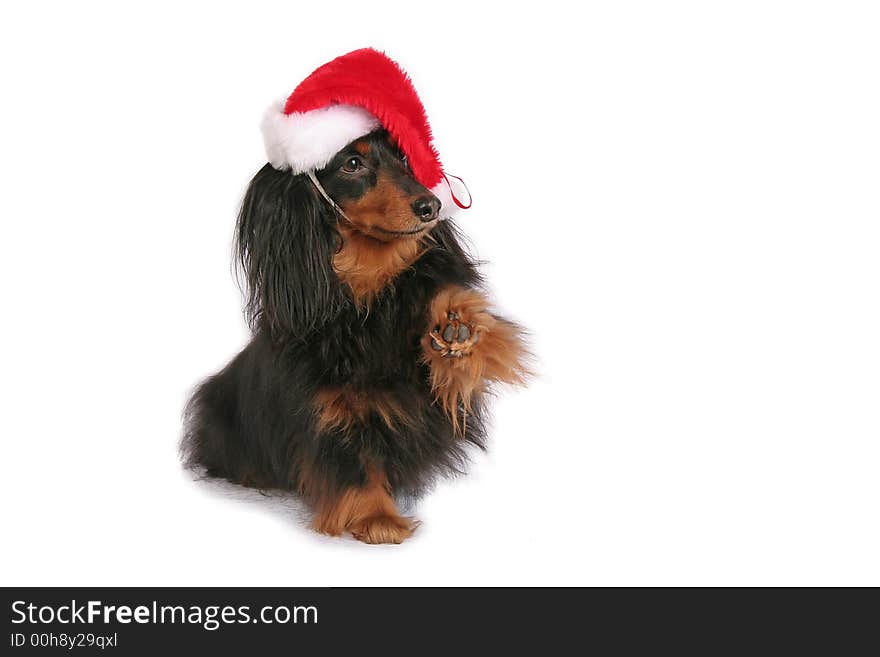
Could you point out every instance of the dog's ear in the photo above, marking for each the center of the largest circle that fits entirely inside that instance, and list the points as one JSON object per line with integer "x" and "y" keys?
{"x": 285, "y": 240}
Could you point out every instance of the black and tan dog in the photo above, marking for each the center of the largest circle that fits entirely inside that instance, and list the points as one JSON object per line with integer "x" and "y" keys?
{"x": 372, "y": 351}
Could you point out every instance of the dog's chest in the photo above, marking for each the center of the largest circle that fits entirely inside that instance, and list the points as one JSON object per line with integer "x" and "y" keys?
{"x": 372, "y": 350}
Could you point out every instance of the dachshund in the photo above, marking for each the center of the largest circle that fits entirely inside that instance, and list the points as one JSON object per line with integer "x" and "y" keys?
{"x": 373, "y": 346}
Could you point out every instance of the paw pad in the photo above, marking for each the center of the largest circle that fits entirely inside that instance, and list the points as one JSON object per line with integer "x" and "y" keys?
{"x": 455, "y": 338}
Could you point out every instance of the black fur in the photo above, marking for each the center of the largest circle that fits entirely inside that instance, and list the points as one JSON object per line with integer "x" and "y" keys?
{"x": 253, "y": 423}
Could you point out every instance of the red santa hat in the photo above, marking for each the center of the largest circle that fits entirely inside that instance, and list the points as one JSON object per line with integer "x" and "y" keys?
{"x": 348, "y": 98}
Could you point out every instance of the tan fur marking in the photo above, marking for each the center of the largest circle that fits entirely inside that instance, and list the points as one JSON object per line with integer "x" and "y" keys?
{"x": 367, "y": 265}
{"x": 498, "y": 355}
{"x": 343, "y": 408}
{"x": 383, "y": 238}
{"x": 368, "y": 512}
{"x": 384, "y": 207}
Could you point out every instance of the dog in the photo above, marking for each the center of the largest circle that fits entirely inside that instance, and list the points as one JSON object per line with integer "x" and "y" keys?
{"x": 373, "y": 346}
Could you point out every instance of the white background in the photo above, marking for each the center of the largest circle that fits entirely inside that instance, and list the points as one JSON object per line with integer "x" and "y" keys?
{"x": 679, "y": 199}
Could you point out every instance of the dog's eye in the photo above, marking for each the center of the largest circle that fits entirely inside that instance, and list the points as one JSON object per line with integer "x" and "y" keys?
{"x": 352, "y": 164}
{"x": 403, "y": 159}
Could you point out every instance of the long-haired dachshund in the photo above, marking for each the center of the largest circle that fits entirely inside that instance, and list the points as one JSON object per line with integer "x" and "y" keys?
{"x": 373, "y": 346}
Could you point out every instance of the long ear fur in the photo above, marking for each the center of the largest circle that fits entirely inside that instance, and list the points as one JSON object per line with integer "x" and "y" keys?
{"x": 285, "y": 240}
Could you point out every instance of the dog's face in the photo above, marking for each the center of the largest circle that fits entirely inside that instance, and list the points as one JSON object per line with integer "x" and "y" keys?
{"x": 304, "y": 262}
{"x": 370, "y": 180}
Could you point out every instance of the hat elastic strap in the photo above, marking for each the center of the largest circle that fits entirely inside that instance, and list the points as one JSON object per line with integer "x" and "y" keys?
{"x": 323, "y": 192}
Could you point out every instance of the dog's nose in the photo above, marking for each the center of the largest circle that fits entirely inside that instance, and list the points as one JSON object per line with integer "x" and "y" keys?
{"x": 426, "y": 208}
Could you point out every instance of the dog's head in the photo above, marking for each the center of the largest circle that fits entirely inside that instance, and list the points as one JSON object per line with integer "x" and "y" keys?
{"x": 295, "y": 249}
{"x": 370, "y": 180}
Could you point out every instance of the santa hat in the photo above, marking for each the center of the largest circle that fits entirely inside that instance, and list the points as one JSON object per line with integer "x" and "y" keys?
{"x": 348, "y": 98}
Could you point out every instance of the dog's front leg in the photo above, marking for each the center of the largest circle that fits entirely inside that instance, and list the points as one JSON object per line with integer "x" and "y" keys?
{"x": 467, "y": 347}
{"x": 367, "y": 511}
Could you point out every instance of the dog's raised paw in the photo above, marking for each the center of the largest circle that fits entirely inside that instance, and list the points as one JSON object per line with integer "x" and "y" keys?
{"x": 455, "y": 338}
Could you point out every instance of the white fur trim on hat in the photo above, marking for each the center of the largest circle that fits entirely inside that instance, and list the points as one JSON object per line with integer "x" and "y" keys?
{"x": 448, "y": 207}
{"x": 308, "y": 140}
